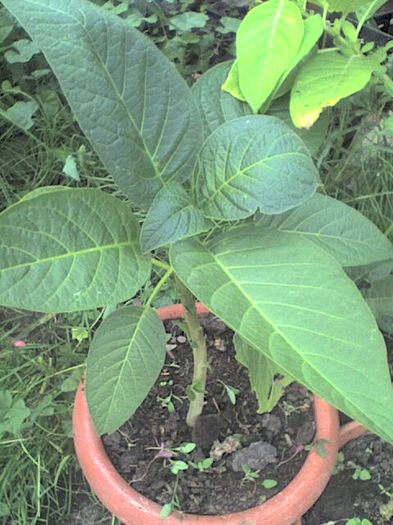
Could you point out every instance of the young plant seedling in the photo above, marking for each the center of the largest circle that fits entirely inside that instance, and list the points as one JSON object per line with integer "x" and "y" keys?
{"x": 249, "y": 474}
{"x": 232, "y": 215}
{"x": 269, "y": 484}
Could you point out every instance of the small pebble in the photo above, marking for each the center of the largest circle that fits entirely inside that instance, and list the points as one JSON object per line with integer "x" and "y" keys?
{"x": 256, "y": 456}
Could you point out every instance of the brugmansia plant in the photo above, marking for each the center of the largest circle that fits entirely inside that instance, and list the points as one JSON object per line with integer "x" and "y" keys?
{"x": 230, "y": 196}
{"x": 277, "y": 54}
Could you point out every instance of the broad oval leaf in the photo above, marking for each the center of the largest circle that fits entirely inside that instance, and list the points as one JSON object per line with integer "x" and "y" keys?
{"x": 215, "y": 105}
{"x": 341, "y": 230}
{"x": 69, "y": 250}
{"x": 254, "y": 162}
{"x": 171, "y": 217}
{"x": 324, "y": 81}
{"x": 129, "y": 100}
{"x": 125, "y": 358}
{"x": 262, "y": 374}
{"x": 267, "y": 42}
{"x": 291, "y": 300}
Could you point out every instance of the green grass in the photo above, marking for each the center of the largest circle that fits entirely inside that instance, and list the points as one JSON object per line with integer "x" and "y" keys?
{"x": 40, "y": 482}
{"x": 357, "y": 163}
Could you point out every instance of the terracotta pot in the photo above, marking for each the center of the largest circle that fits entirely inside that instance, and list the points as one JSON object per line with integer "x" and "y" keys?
{"x": 350, "y": 431}
{"x": 285, "y": 508}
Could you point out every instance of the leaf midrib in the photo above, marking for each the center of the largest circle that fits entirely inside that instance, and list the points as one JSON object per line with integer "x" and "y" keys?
{"x": 275, "y": 330}
{"x": 117, "y": 93}
{"x": 117, "y": 384}
{"x": 68, "y": 254}
{"x": 243, "y": 172}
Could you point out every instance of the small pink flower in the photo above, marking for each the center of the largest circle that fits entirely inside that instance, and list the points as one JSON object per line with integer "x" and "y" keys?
{"x": 20, "y": 344}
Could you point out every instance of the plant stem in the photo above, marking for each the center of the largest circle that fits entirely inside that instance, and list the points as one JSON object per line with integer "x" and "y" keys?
{"x": 160, "y": 264}
{"x": 159, "y": 285}
{"x": 199, "y": 350}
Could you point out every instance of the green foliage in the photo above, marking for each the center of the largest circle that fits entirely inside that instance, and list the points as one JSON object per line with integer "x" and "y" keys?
{"x": 266, "y": 378}
{"x": 171, "y": 217}
{"x": 125, "y": 359}
{"x": 86, "y": 243}
{"x": 267, "y": 43}
{"x": 253, "y": 163}
{"x": 328, "y": 222}
{"x": 323, "y": 81}
{"x": 121, "y": 120}
{"x": 269, "y": 483}
{"x": 276, "y": 52}
{"x": 13, "y": 413}
{"x": 343, "y": 6}
{"x": 286, "y": 296}
{"x": 273, "y": 277}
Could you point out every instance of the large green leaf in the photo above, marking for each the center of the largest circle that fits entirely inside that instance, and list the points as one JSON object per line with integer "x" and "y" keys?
{"x": 380, "y": 299}
{"x": 267, "y": 42}
{"x": 324, "y": 81}
{"x": 263, "y": 374}
{"x": 171, "y": 217}
{"x": 129, "y": 100}
{"x": 341, "y": 230}
{"x": 313, "y": 30}
{"x": 124, "y": 361}
{"x": 215, "y": 105}
{"x": 250, "y": 163}
{"x": 343, "y": 6}
{"x": 290, "y": 299}
{"x": 69, "y": 250}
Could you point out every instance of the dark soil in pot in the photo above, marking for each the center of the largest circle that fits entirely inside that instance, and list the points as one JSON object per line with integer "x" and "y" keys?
{"x": 139, "y": 449}
{"x": 370, "y": 496}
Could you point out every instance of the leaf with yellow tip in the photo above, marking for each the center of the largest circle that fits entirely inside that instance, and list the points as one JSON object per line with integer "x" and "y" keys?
{"x": 231, "y": 85}
{"x": 325, "y": 80}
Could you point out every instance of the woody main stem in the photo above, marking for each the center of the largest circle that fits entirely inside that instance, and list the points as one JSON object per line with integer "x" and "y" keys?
{"x": 198, "y": 344}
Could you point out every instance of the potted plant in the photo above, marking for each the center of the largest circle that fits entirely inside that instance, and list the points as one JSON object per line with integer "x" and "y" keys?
{"x": 232, "y": 213}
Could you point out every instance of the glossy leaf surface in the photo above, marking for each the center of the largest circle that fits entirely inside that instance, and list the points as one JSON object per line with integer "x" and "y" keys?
{"x": 171, "y": 217}
{"x": 324, "y": 81}
{"x": 267, "y": 42}
{"x": 291, "y": 300}
{"x": 69, "y": 250}
{"x": 341, "y": 230}
{"x": 344, "y": 6}
{"x": 129, "y": 100}
{"x": 313, "y": 30}
{"x": 125, "y": 358}
{"x": 254, "y": 162}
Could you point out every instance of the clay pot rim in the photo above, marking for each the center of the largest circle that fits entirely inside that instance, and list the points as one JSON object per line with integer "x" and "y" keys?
{"x": 134, "y": 509}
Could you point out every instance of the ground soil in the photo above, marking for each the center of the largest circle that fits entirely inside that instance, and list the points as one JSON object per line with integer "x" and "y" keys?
{"x": 134, "y": 448}
{"x": 220, "y": 490}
